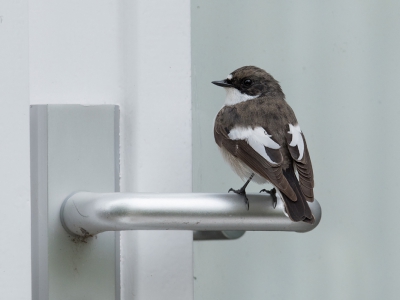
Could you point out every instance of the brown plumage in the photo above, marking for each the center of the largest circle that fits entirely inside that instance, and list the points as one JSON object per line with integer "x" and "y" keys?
{"x": 258, "y": 133}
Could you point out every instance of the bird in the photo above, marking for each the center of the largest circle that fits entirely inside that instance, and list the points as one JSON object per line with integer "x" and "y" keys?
{"x": 259, "y": 136}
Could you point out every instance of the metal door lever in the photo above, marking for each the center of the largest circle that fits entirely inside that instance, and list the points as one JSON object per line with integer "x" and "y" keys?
{"x": 86, "y": 213}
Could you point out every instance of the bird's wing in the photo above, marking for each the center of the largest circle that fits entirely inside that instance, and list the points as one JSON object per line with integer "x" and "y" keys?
{"x": 255, "y": 148}
{"x": 298, "y": 150}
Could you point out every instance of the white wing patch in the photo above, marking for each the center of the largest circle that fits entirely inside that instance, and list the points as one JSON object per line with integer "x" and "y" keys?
{"x": 257, "y": 138}
{"x": 234, "y": 96}
{"x": 297, "y": 139}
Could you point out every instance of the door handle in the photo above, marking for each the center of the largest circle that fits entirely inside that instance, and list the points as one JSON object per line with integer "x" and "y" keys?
{"x": 86, "y": 214}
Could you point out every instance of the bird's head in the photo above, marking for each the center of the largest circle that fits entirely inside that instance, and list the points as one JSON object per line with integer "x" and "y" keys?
{"x": 248, "y": 83}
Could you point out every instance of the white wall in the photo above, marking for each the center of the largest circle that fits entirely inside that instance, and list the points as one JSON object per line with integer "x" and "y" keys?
{"x": 158, "y": 138}
{"x": 76, "y": 52}
{"x": 338, "y": 64}
{"x": 15, "y": 254}
{"x": 135, "y": 54}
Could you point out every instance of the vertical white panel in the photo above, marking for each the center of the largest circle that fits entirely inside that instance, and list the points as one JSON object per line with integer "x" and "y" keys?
{"x": 74, "y": 148}
{"x": 81, "y": 156}
{"x": 156, "y": 150}
{"x": 15, "y": 229}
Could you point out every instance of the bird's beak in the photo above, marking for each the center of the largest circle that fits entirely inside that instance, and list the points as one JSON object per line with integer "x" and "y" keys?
{"x": 223, "y": 83}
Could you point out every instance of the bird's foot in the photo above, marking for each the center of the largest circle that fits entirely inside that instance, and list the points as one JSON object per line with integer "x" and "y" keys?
{"x": 241, "y": 191}
{"x": 272, "y": 192}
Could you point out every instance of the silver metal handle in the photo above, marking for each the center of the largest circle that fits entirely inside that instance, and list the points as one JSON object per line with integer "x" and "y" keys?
{"x": 86, "y": 214}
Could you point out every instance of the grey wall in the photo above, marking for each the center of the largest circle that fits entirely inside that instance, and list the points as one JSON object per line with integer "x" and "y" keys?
{"x": 338, "y": 64}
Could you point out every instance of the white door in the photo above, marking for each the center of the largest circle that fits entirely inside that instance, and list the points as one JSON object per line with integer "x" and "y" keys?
{"x": 132, "y": 54}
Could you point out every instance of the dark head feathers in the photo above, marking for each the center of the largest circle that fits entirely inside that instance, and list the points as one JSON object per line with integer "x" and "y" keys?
{"x": 254, "y": 81}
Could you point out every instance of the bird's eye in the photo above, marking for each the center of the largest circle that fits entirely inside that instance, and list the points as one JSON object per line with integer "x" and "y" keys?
{"x": 247, "y": 82}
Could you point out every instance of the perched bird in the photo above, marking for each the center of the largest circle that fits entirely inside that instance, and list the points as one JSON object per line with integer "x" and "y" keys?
{"x": 258, "y": 134}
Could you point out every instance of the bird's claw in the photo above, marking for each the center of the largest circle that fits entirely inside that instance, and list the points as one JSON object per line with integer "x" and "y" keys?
{"x": 272, "y": 192}
{"x": 235, "y": 191}
{"x": 243, "y": 193}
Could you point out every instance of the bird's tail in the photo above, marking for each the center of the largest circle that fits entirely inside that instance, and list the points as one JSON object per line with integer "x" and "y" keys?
{"x": 297, "y": 210}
